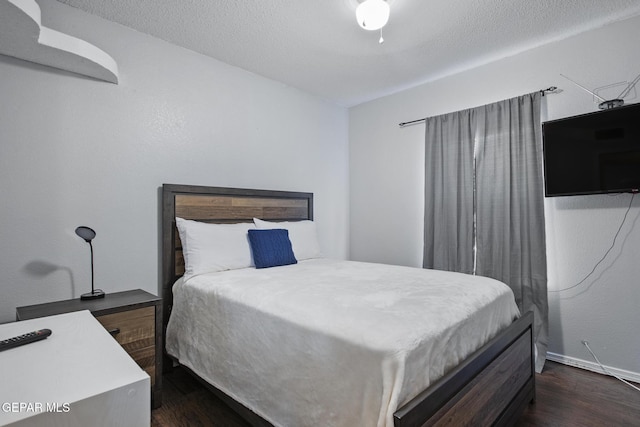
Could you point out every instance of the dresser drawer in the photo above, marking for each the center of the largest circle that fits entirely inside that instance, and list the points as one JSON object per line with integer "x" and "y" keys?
{"x": 135, "y": 332}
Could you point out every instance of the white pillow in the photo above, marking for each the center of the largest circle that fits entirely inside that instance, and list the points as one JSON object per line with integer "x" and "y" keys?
{"x": 208, "y": 248}
{"x": 303, "y": 236}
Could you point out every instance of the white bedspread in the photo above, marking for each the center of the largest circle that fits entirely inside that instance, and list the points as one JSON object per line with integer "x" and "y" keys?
{"x": 332, "y": 343}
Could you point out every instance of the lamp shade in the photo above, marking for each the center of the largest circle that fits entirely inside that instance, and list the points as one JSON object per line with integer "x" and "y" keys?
{"x": 372, "y": 14}
{"x": 86, "y": 233}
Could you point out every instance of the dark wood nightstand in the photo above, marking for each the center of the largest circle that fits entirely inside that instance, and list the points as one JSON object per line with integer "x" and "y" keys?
{"x": 134, "y": 318}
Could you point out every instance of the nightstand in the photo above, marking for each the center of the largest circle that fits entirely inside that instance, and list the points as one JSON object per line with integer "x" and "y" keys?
{"x": 133, "y": 318}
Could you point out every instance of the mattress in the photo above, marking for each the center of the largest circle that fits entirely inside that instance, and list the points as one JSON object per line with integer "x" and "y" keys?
{"x": 332, "y": 343}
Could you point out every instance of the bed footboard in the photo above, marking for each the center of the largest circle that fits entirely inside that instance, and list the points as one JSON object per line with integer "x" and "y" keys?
{"x": 492, "y": 387}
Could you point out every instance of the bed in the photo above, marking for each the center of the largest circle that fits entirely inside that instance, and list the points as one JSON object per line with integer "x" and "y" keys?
{"x": 489, "y": 385}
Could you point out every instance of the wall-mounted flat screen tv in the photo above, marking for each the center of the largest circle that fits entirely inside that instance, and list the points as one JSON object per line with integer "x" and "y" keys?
{"x": 593, "y": 153}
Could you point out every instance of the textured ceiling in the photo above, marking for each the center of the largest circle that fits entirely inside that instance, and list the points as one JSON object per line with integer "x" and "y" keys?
{"x": 317, "y": 46}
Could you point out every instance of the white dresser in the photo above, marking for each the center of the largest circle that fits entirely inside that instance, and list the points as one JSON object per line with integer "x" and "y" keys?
{"x": 78, "y": 376}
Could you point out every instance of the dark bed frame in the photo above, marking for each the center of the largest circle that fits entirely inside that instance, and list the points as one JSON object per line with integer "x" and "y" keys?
{"x": 491, "y": 387}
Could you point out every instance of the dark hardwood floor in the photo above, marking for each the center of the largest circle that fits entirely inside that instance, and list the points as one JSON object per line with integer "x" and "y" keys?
{"x": 566, "y": 397}
{"x": 186, "y": 402}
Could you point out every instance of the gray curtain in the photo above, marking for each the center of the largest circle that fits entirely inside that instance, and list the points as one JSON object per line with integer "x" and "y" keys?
{"x": 507, "y": 201}
{"x": 448, "y": 230}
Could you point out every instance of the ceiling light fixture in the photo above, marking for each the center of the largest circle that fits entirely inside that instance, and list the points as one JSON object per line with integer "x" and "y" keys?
{"x": 372, "y": 14}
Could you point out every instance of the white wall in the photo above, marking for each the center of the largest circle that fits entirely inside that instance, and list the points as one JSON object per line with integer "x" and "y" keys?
{"x": 75, "y": 151}
{"x": 387, "y": 173}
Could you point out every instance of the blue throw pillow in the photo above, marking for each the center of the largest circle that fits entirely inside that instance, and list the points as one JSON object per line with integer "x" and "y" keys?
{"x": 271, "y": 248}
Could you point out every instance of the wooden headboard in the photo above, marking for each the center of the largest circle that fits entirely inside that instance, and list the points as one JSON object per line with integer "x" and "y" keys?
{"x": 218, "y": 205}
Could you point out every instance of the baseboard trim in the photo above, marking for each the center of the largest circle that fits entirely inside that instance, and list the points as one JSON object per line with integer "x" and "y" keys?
{"x": 592, "y": 366}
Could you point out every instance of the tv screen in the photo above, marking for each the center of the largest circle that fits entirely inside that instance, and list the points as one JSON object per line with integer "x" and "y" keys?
{"x": 593, "y": 153}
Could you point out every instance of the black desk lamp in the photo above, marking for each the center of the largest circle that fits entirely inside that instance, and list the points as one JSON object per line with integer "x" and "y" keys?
{"x": 88, "y": 234}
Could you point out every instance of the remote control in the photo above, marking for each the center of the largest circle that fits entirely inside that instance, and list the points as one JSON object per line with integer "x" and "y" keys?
{"x": 24, "y": 339}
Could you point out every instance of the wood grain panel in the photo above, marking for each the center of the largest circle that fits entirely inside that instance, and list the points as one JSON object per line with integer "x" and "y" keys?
{"x": 266, "y": 202}
{"x": 215, "y": 208}
{"x": 186, "y": 200}
{"x": 233, "y": 214}
{"x": 209, "y": 200}
{"x": 487, "y": 396}
{"x": 283, "y": 213}
{"x": 179, "y": 263}
{"x": 134, "y": 325}
{"x": 451, "y": 388}
{"x": 136, "y": 335}
{"x": 202, "y": 213}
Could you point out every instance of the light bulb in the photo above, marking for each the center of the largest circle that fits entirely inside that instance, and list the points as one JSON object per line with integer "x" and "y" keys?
{"x": 372, "y": 14}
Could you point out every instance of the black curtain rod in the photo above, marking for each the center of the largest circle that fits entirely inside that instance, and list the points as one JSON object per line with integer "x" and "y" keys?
{"x": 550, "y": 89}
